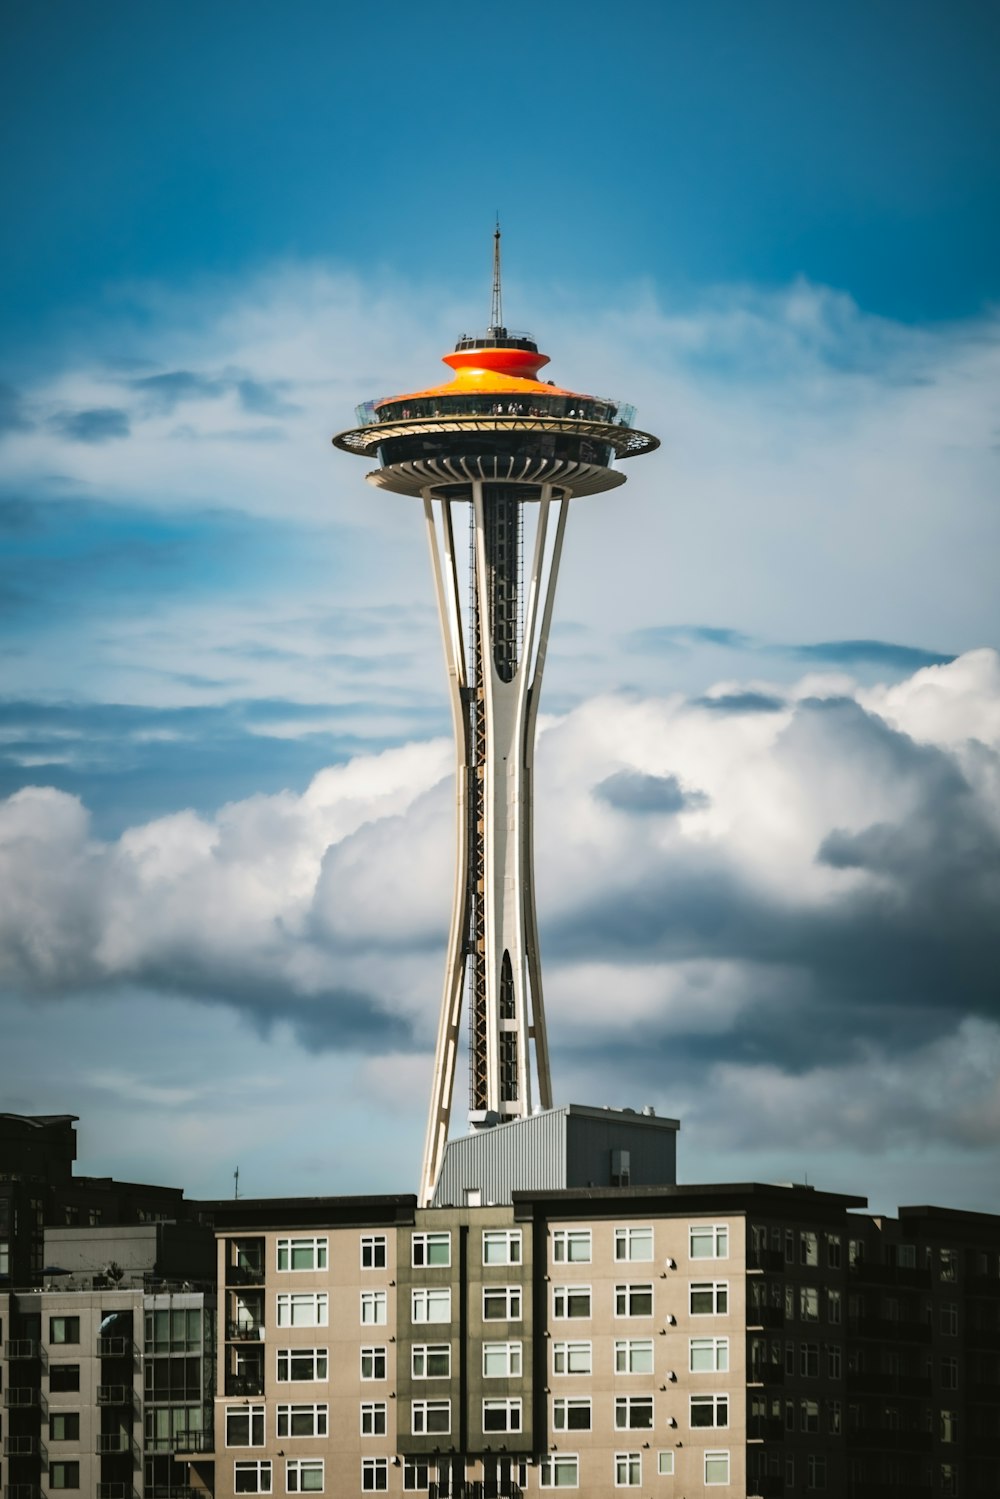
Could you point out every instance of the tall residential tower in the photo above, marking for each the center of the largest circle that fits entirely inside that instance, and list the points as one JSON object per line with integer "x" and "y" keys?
{"x": 508, "y": 451}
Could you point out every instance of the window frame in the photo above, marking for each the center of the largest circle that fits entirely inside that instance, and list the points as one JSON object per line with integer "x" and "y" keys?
{"x": 512, "y": 1352}
{"x": 286, "y": 1356}
{"x": 624, "y": 1294}
{"x": 299, "y": 1466}
{"x": 261, "y": 1467}
{"x": 713, "y": 1401}
{"x": 629, "y": 1463}
{"x": 716, "y": 1232}
{"x": 626, "y": 1351}
{"x": 718, "y": 1455}
{"x": 376, "y": 1303}
{"x": 375, "y": 1469}
{"x": 664, "y": 1468}
{"x": 426, "y": 1298}
{"x": 426, "y": 1351}
{"x": 369, "y": 1250}
{"x": 511, "y": 1296}
{"x": 66, "y": 1324}
{"x": 511, "y": 1240}
{"x": 510, "y": 1404}
{"x": 562, "y": 1405}
{"x": 563, "y": 1299}
{"x": 716, "y": 1289}
{"x": 252, "y": 1412}
{"x": 319, "y": 1246}
{"x": 371, "y": 1415}
{"x": 553, "y": 1462}
{"x": 714, "y": 1345}
{"x": 566, "y": 1238}
{"x": 569, "y": 1351}
{"x": 626, "y": 1404}
{"x": 627, "y": 1236}
{"x": 424, "y": 1408}
{"x": 374, "y": 1352}
{"x": 287, "y": 1411}
{"x": 422, "y": 1243}
{"x": 288, "y": 1301}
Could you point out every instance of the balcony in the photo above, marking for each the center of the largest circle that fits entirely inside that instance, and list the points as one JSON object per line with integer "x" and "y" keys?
{"x": 244, "y": 1275}
{"x": 770, "y": 1487}
{"x": 771, "y": 1260}
{"x": 113, "y": 1441}
{"x": 767, "y": 1374}
{"x": 23, "y": 1348}
{"x": 115, "y": 1491}
{"x": 22, "y": 1491}
{"x": 115, "y": 1347}
{"x": 21, "y": 1446}
{"x": 493, "y": 1490}
{"x": 244, "y": 1331}
{"x": 114, "y": 1394}
{"x": 245, "y": 1384}
{"x": 193, "y": 1441}
{"x": 22, "y": 1397}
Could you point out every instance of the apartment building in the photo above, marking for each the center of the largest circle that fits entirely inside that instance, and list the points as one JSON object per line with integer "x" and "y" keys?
{"x": 108, "y": 1365}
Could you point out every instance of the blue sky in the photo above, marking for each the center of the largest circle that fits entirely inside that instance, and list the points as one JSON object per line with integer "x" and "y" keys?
{"x": 772, "y": 704}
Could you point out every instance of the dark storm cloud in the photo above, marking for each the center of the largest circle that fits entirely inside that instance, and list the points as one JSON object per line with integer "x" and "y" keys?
{"x": 903, "y": 658}
{"x": 630, "y": 791}
{"x": 100, "y": 424}
{"x": 898, "y": 957}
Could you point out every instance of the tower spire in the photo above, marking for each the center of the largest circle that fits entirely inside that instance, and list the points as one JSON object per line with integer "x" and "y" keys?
{"x": 496, "y": 312}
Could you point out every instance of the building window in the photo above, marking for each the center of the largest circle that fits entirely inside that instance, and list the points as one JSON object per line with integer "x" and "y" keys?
{"x": 373, "y": 1251}
{"x": 809, "y": 1360}
{"x": 501, "y": 1360}
{"x": 949, "y": 1373}
{"x": 374, "y": 1308}
{"x": 306, "y": 1364}
{"x": 64, "y": 1475}
{"x": 949, "y": 1426}
{"x": 501, "y": 1246}
{"x": 633, "y": 1355}
{"x": 64, "y": 1377}
{"x": 809, "y": 1416}
{"x": 64, "y": 1329}
{"x": 633, "y": 1243}
{"x": 570, "y": 1301}
{"x": 815, "y": 1472}
{"x": 808, "y": 1248}
{"x": 949, "y": 1319}
{"x": 710, "y": 1298}
{"x": 948, "y": 1264}
{"x": 571, "y": 1413}
{"x": 502, "y": 1415}
{"x": 431, "y": 1361}
{"x": 302, "y": 1420}
{"x": 571, "y": 1358}
{"x": 628, "y": 1470}
{"x": 302, "y": 1254}
{"x": 374, "y": 1474}
{"x": 708, "y": 1355}
{"x": 373, "y": 1418}
{"x": 560, "y": 1470}
{"x": 634, "y": 1413}
{"x": 709, "y": 1241}
{"x": 716, "y": 1468}
{"x": 373, "y": 1363}
{"x": 252, "y": 1478}
{"x": 709, "y": 1410}
{"x": 501, "y": 1303}
{"x": 808, "y": 1303}
{"x": 665, "y": 1464}
{"x": 430, "y": 1417}
{"x": 304, "y": 1475}
{"x": 834, "y": 1418}
{"x": 179, "y": 1329}
{"x": 833, "y": 1251}
{"x": 64, "y": 1426}
{"x": 302, "y": 1308}
{"x": 834, "y": 1361}
{"x": 430, "y": 1249}
{"x": 245, "y": 1426}
{"x": 571, "y": 1246}
{"x": 634, "y": 1301}
{"x": 430, "y": 1304}
{"x": 834, "y": 1308}
{"x": 416, "y": 1474}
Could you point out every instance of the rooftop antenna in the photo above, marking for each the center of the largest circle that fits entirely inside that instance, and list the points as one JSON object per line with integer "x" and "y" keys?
{"x": 496, "y": 314}
{"x": 236, "y": 1182}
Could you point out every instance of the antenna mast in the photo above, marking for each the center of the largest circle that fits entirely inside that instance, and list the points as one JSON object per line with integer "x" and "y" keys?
{"x": 496, "y": 314}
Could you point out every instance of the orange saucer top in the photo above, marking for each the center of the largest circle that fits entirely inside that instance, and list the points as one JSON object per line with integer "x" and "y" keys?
{"x": 490, "y": 372}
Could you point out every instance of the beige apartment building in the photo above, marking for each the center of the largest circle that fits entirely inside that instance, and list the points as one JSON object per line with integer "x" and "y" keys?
{"x": 743, "y": 1340}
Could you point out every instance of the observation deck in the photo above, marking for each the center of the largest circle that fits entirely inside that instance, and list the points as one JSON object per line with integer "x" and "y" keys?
{"x": 496, "y": 421}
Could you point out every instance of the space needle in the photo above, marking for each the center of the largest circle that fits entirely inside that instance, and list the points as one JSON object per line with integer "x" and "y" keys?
{"x": 496, "y": 455}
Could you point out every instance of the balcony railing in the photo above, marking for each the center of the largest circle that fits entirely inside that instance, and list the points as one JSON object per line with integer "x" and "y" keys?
{"x": 22, "y": 1396}
{"x": 115, "y": 1347}
{"x": 115, "y": 1491}
{"x": 23, "y": 1348}
{"x": 245, "y": 1384}
{"x": 193, "y": 1441}
{"x": 21, "y": 1446}
{"x": 244, "y": 1275}
{"x": 244, "y": 1332}
{"x": 114, "y": 1394}
{"x": 479, "y": 1490}
{"x": 114, "y": 1441}
{"x": 21, "y": 1491}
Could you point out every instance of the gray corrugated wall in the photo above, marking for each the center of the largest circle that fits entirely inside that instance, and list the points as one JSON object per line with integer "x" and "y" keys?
{"x": 652, "y": 1151}
{"x": 528, "y": 1154}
